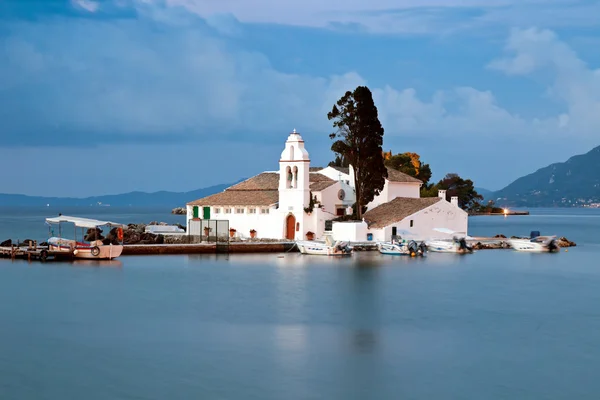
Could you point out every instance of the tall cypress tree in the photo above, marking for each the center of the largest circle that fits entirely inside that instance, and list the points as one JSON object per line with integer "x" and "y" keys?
{"x": 360, "y": 137}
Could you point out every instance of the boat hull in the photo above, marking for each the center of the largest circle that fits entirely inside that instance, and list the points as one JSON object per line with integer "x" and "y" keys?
{"x": 83, "y": 251}
{"x": 393, "y": 249}
{"x": 321, "y": 249}
{"x": 527, "y": 245}
{"x": 443, "y": 246}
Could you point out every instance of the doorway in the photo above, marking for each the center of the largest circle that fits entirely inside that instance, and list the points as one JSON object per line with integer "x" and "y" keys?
{"x": 290, "y": 227}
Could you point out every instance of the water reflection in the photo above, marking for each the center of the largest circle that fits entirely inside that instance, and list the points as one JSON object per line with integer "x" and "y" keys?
{"x": 97, "y": 263}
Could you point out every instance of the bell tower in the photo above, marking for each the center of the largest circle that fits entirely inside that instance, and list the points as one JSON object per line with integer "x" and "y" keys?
{"x": 294, "y": 189}
{"x": 294, "y": 167}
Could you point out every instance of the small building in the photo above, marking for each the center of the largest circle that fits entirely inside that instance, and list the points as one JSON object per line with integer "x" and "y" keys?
{"x": 298, "y": 200}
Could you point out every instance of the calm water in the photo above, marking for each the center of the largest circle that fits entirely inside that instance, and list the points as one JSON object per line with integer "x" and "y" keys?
{"x": 493, "y": 325}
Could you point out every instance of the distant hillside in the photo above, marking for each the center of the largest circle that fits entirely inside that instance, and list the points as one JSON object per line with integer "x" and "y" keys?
{"x": 575, "y": 182}
{"x": 487, "y": 194}
{"x": 138, "y": 199}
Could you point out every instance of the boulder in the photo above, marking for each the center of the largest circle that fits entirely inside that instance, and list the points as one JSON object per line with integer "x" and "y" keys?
{"x": 6, "y": 243}
{"x": 179, "y": 211}
{"x": 564, "y": 242}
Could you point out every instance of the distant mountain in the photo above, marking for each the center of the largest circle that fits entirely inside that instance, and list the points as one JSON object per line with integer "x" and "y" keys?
{"x": 487, "y": 194}
{"x": 575, "y": 182}
{"x": 138, "y": 199}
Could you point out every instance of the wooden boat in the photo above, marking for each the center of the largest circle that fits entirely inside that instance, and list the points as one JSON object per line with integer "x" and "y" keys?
{"x": 98, "y": 249}
{"x": 326, "y": 248}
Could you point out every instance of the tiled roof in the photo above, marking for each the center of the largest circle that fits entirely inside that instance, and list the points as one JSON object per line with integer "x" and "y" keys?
{"x": 317, "y": 177}
{"x": 318, "y": 186}
{"x": 344, "y": 170}
{"x": 239, "y": 198}
{"x": 396, "y": 210}
{"x": 315, "y": 169}
{"x": 260, "y": 190}
{"x": 397, "y": 176}
{"x": 264, "y": 181}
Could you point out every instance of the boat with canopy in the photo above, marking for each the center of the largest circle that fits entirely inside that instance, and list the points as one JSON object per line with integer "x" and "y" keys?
{"x": 93, "y": 244}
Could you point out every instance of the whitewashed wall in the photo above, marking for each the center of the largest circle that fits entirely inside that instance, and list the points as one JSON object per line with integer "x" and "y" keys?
{"x": 334, "y": 174}
{"x": 391, "y": 190}
{"x": 266, "y": 225}
{"x": 350, "y": 231}
{"x": 440, "y": 215}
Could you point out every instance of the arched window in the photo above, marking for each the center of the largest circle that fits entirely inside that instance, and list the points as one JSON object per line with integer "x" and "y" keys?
{"x": 288, "y": 177}
{"x": 295, "y": 184}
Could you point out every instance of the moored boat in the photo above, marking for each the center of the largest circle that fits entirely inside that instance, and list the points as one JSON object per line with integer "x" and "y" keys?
{"x": 410, "y": 248}
{"x": 98, "y": 248}
{"x": 326, "y": 248}
{"x": 536, "y": 244}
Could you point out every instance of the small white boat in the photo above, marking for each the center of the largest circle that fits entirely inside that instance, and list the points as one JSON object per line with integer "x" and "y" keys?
{"x": 410, "y": 248}
{"x": 98, "y": 249}
{"x": 458, "y": 243}
{"x": 327, "y": 248}
{"x": 537, "y": 244}
{"x": 454, "y": 245}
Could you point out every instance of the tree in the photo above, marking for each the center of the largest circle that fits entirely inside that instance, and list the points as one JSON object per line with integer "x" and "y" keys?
{"x": 360, "y": 137}
{"x": 410, "y": 164}
{"x": 468, "y": 198}
{"x": 340, "y": 161}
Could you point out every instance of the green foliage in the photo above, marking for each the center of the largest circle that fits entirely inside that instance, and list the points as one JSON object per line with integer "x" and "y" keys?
{"x": 489, "y": 208}
{"x": 410, "y": 164}
{"x": 456, "y": 186}
{"x": 340, "y": 161}
{"x": 311, "y": 205}
{"x": 360, "y": 137}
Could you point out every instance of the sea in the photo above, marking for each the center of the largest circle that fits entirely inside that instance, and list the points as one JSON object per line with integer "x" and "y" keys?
{"x": 495, "y": 324}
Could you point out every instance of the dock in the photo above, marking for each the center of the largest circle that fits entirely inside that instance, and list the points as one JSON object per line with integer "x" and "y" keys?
{"x": 474, "y": 214}
{"x": 32, "y": 251}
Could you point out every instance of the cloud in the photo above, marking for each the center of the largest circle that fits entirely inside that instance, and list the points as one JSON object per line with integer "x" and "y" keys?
{"x": 404, "y": 17}
{"x": 572, "y": 83}
{"x": 87, "y": 5}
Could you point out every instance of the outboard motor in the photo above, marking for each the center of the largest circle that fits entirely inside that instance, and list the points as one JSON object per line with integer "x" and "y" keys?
{"x": 422, "y": 249}
{"x": 552, "y": 245}
{"x": 413, "y": 248}
{"x": 463, "y": 246}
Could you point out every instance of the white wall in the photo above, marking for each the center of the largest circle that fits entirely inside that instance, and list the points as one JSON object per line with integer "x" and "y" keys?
{"x": 440, "y": 215}
{"x": 329, "y": 197}
{"x": 391, "y": 190}
{"x": 350, "y": 231}
{"x": 334, "y": 174}
{"x": 266, "y": 225}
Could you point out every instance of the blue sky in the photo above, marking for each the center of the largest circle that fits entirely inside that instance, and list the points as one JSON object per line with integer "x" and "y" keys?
{"x": 119, "y": 95}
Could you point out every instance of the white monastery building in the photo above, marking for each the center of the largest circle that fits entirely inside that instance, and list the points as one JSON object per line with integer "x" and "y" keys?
{"x": 296, "y": 202}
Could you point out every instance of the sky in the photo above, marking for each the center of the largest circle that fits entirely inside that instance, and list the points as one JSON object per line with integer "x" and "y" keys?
{"x": 100, "y": 97}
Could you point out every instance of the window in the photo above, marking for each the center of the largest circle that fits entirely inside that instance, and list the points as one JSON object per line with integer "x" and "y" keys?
{"x": 252, "y": 211}
{"x": 239, "y": 210}
{"x": 264, "y": 211}
{"x": 339, "y": 212}
{"x": 217, "y": 210}
{"x": 297, "y": 226}
{"x": 411, "y": 223}
{"x": 228, "y": 211}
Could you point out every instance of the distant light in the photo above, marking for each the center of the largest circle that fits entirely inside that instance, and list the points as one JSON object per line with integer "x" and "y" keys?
{"x": 506, "y": 211}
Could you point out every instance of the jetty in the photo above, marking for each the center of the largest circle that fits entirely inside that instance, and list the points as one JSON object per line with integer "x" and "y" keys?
{"x": 504, "y": 213}
{"x": 32, "y": 251}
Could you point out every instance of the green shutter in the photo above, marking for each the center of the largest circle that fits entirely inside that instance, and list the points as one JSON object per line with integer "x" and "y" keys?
{"x": 195, "y": 211}
{"x": 206, "y": 212}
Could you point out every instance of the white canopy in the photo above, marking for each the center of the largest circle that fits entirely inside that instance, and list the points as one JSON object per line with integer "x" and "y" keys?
{"x": 81, "y": 222}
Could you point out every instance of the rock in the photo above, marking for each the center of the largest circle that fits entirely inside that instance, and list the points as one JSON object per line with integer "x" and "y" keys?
{"x": 6, "y": 243}
{"x": 25, "y": 243}
{"x": 500, "y": 236}
{"x": 564, "y": 242}
{"x": 179, "y": 211}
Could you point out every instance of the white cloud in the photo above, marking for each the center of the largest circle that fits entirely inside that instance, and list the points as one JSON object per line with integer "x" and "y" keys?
{"x": 400, "y": 16}
{"x": 573, "y": 84}
{"x": 87, "y": 5}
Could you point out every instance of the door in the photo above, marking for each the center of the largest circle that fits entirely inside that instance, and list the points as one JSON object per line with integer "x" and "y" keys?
{"x": 206, "y": 213}
{"x": 290, "y": 227}
{"x": 196, "y": 212}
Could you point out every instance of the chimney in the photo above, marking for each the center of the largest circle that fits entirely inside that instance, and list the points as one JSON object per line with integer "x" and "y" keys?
{"x": 442, "y": 194}
{"x": 454, "y": 200}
